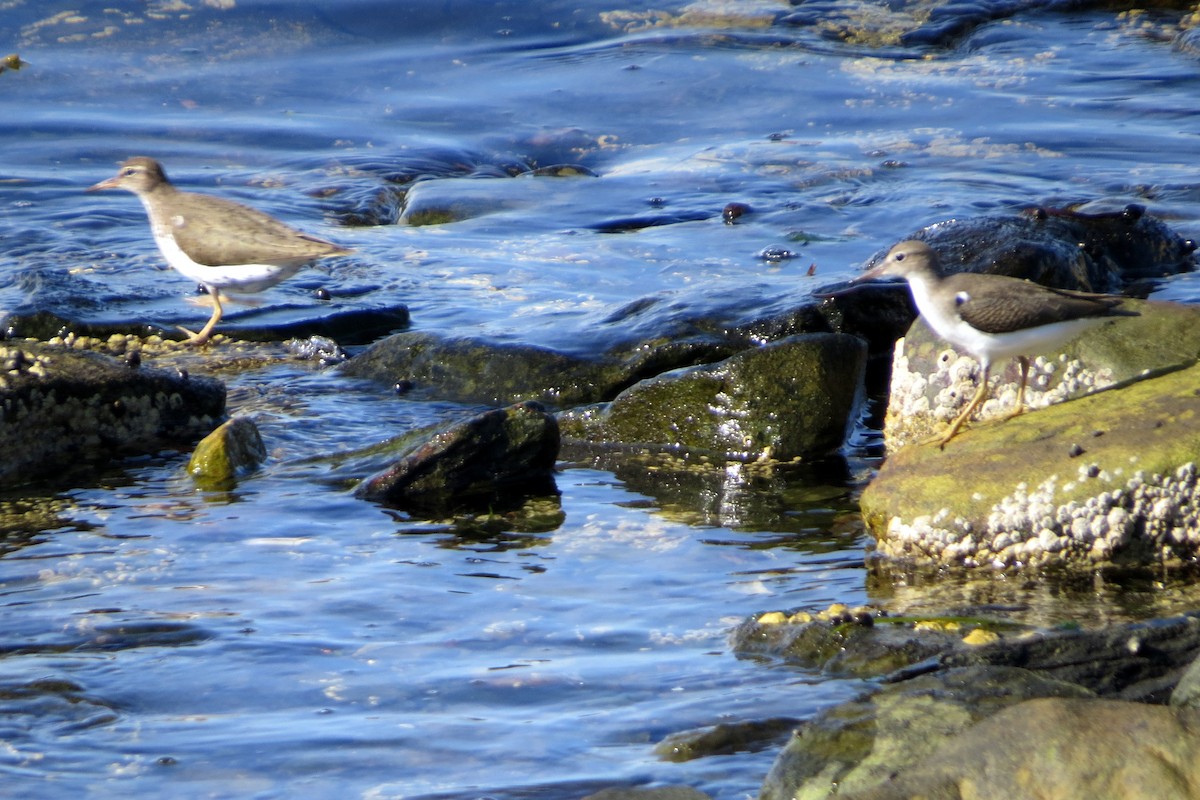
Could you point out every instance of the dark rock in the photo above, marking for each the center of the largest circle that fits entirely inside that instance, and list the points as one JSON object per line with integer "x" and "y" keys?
{"x": 473, "y": 370}
{"x": 724, "y": 739}
{"x": 786, "y": 399}
{"x": 1100, "y": 252}
{"x": 648, "y": 793}
{"x": 842, "y": 643}
{"x": 62, "y": 406}
{"x": 490, "y": 459}
{"x": 350, "y": 326}
{"x": 1138, "y": 661}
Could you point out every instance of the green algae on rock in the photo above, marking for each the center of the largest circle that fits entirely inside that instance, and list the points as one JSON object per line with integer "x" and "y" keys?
{"x": 63, "y": 406}
{"x": 234, "y": 448}
{"x": 1107, "y": 478}
{"x": 790, "y": 398}
{"x": 1066, "y": 747}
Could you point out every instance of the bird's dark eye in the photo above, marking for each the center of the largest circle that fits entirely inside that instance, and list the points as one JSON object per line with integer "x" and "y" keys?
{"x": 128, "y": 171}
{"x": 899, "y": 256}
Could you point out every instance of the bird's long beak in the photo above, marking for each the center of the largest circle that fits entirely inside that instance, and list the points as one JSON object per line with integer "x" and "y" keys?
{"x": 872, "y": 276}
{"x": 111, "y": 183}
{"x": 876, "y": 274}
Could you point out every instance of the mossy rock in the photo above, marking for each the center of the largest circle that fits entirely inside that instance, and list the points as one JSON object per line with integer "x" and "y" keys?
{"x": 791, "y": 398}
{"x": 233, "y": 449}
{"x": 1106, "y": 478}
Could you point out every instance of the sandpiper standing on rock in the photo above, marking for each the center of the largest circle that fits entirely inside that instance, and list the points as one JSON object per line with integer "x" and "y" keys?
{"x": 992, "y": 316}
{"x": 226, "y": 246}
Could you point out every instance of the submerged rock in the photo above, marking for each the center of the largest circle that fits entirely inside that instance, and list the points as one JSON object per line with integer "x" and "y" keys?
{"x": 724, "y": 738}
{"x": 495, "y": 458}
{"x": 473, "y": 370}
{"x": 63, "y": 406}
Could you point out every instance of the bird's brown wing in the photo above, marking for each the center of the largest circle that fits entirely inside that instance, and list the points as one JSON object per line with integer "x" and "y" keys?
{"x": 996, "y": 304}
{"x": 221, "y": 232}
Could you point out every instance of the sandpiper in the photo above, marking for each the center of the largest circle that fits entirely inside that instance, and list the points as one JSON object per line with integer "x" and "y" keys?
{"x": 992, "y": 316}
{"x": 223, "y": 245}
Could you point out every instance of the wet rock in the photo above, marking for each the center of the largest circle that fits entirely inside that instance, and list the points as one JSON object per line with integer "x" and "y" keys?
{"x": 857, "y": 745}
{"x": 473, "y": 370}
{"x": 928, "y": 23}
{"x": 226, "y": 454}
{"x": 1018, "y": 493}
{"x": 350, "y": 326}
{"x": 1070, "y": 748}
{"x": 317, "y": 348}
{"x": 1140, "y": 661}
{"x": 648, "y": 793}
{"x": 861, "y": 744}
{"x": 50, "y": 311}
{"x": 842, "y": 641}
{"x": 1096, "y": 252}
{"x": 13, "y": 62}
{"x": 786, "y": 399}
{"x": 63, "y": 406}
{"x": 724, "y": 739}
{"x": 446, "y": 200}
{"x": 494, "y": 458}
{"x": 1135, "y": 661}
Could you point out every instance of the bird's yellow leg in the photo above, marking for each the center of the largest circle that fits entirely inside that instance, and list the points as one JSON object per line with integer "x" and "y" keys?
{"x": 1020, "y": 409}
{"x": 980, "y": 393}
{"x": 206, "y": 332}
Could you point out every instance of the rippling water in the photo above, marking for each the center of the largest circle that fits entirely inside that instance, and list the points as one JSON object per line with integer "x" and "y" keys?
{"x": 287, "y": 640}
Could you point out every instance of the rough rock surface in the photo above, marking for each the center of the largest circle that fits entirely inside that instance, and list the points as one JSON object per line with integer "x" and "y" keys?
{"x": 855, "y": 745}
{"x": 63, "y": 406}
{"x": 1106, "y": 478}
{"x": 1060, "y": 748}
{"x": 860, "y": 745}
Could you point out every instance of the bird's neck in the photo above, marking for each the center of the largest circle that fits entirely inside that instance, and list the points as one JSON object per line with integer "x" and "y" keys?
{"x": 923, "y": 282}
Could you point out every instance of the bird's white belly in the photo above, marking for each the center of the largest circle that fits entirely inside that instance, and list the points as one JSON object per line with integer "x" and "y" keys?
{"x": 1044, "y": 339}
{"x": 1030, "y": 341}
{"x": 237, "y": 278}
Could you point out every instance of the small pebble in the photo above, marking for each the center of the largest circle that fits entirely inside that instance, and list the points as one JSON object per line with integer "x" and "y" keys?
{"x": 734, "y": 211}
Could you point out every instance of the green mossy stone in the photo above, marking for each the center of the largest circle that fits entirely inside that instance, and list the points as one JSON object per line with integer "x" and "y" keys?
{"x": 233, "y": 449}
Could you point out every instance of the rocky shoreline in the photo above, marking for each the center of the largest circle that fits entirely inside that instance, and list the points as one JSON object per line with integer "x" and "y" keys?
{"x": 1106, "y": 480}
